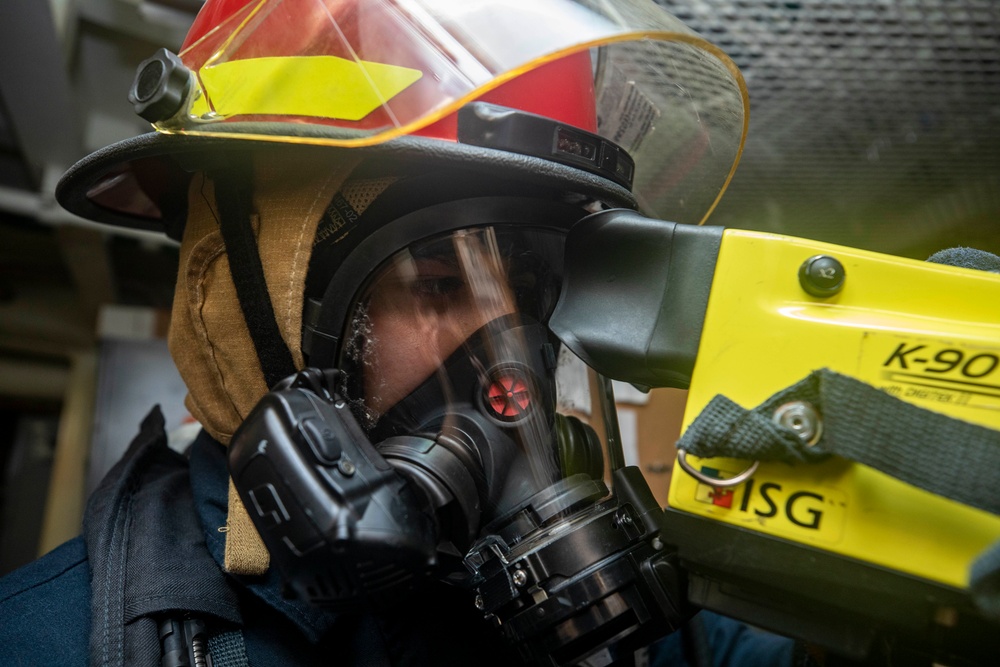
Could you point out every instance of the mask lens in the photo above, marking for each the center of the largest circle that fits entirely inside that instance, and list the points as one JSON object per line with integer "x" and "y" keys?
{"x": 449, "y": 336}
{"x": 429, "y": 300}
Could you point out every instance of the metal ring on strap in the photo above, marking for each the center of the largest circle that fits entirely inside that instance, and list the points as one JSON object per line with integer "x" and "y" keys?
{"x": 711, "y": 481}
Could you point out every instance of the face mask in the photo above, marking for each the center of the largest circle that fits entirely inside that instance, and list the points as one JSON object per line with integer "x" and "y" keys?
{"x": 448, "y": 449}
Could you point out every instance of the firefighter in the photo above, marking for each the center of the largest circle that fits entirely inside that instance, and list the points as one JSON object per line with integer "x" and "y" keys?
{"x": 371, "y": 201}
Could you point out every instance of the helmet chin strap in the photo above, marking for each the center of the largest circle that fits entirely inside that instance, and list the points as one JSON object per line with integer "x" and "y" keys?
{"x": 234, "y": 197}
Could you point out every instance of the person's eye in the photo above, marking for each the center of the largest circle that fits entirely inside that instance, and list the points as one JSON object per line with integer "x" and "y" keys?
{"x": 437, "y": 286}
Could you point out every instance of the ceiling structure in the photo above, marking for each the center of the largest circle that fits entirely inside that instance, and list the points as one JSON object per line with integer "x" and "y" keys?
{"x": 65, "y": 67}
{"x": 873, "y": 123}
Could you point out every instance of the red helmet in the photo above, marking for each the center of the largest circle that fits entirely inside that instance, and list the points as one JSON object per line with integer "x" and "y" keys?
{"x": 579, "y": 88}
{"x": 592, "y": 103}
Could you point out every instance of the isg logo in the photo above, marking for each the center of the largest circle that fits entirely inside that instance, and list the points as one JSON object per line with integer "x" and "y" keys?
{"x": 815, "y": 513}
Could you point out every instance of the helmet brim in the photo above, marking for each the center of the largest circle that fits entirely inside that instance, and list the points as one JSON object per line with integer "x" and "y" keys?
{"x": 141, "y": 182}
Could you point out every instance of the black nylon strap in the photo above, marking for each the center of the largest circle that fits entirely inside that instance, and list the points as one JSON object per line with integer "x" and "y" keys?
{"x": 234, "y": 197}
{"x": 139, "y": 574}
{"x": 946, "y": 456}
{"x": 228, "y": 649}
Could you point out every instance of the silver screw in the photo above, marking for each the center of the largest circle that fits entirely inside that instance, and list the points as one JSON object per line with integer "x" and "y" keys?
{"x": 622, "y": 519}
{"x": 347, "y": 467}
{"x": 480, "y": 605}
{"x": 520, "y": 578}
{"x": 801, "y": 418}
{"x": 657, "y": 544}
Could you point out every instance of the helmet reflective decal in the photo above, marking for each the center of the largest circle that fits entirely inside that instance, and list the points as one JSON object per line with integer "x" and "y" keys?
{"x": 315, "y": 86}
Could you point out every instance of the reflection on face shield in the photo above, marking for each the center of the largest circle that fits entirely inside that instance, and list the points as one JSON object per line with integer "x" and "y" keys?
{"x": 424, "y": 305}
{"x": 449, "y": 334}
{"x": 430, "y": 298}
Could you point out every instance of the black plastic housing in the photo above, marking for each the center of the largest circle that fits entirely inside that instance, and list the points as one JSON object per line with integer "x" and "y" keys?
{"x": 604, "y": 580}
{"x": 342, "y": 525}
{"x": 634, "y": 296}
{"x": 494, "y": 126}
{"x": 854, "y": 610}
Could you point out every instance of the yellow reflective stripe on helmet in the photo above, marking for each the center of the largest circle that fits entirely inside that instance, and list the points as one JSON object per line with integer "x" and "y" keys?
{"x": 317, "y": 86}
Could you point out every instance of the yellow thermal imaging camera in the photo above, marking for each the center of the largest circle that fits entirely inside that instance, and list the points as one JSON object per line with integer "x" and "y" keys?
{"x": 879, "y": 377}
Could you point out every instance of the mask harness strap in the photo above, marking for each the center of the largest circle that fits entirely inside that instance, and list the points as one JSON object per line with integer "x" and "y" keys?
{"x": 234, "y": 197}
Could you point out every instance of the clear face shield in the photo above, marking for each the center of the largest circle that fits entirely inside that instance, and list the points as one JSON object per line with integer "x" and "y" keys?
{"x": 448, "y": 339}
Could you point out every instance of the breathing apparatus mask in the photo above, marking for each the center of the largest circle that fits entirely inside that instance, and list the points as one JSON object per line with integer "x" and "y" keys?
{"x": 456, "y": 441}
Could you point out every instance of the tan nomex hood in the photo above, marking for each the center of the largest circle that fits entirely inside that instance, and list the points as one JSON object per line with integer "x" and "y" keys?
{"x": 209, "y": 339}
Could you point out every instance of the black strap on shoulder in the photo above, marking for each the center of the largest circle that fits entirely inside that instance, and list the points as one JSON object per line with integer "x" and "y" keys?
{"x": 946, "y": 456}
{"x": 187, "y": 642}
{"x": 228, "y": 649}
{"x": 234, "y": 197}
{"x": 139, "y": 573}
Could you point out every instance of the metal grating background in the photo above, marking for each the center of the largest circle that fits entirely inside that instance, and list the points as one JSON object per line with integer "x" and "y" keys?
{"x": 873, "y": 124}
